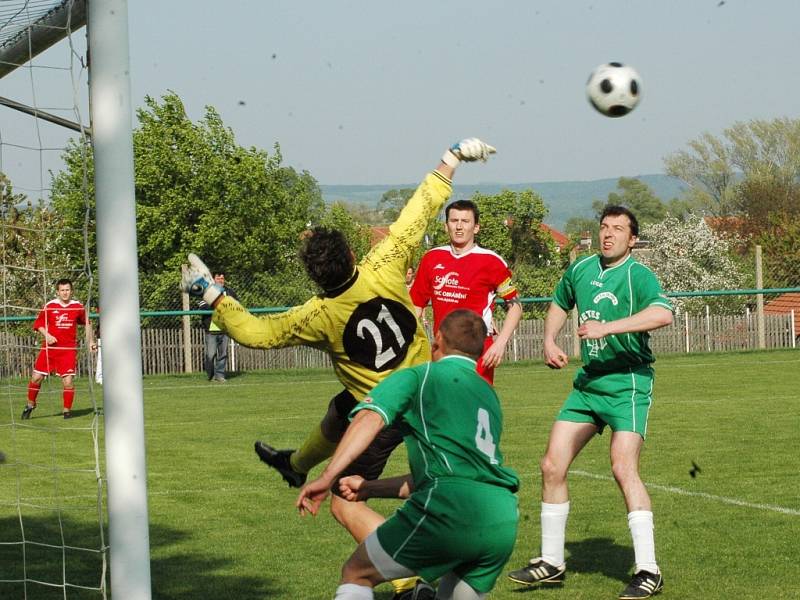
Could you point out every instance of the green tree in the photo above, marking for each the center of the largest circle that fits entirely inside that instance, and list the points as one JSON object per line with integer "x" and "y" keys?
{"x": 197, "y": 190}
{"x": 392, "y": 202}
{"x": 780, "y": 244}
{"x": 707, "y": 168}
{"x": 577, "y": 226}
{"x": 753, "y": 166}
{"x": 682, "y": 208}
{"x": 638, "y": 197}
{"x": 32, "y": 256}
{"x": 364, "y": 212}
{"x": 765, "y": 200}
{"x": 511, "y": 226}
{"x": 337, "y": 216}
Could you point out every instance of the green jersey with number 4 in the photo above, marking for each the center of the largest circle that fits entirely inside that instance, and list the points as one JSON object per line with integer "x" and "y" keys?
{"x": 609, "y": 294}
{"x": 451, "y": 420}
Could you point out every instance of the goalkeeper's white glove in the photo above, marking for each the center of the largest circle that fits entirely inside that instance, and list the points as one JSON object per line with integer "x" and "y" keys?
{"x": 196, "y": 280}
{"x": 468, "y": 150}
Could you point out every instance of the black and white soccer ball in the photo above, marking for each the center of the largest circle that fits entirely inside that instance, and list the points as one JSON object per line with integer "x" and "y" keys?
{"x": 614, "y": 89}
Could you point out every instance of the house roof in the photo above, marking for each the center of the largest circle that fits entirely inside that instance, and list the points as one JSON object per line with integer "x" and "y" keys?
{"x": 558, "y": 237}
{"x": 376, "y": 234}
{"x": 784, "y": 304}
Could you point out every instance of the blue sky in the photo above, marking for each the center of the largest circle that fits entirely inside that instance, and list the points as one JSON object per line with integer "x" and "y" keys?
{"x": 365, "y": 92}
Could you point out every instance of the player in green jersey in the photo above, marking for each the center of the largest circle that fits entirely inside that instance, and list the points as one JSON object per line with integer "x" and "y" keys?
{"x": 619, "y": 301}
{"x": 460, "y": 519}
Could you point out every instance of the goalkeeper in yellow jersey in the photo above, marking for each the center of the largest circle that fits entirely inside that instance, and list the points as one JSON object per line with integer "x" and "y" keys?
{"x": 363, "y": 318}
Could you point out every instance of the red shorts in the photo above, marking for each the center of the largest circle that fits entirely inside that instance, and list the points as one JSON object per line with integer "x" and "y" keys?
{"x": 486, "y": 372}
{"x": 60, "y": 361}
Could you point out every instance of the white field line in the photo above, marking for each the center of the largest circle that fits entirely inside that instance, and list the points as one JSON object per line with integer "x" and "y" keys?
{"x": 676, "y": 490}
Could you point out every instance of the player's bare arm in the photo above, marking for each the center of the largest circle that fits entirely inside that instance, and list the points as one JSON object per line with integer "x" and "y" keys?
{"x": 50, "y": 339}
{"x": 355, "y": 488}
{"x": 554, "y": 356}
{"x": 495, "y": 353}
{"x": 362, "y": 430}
{"x": 652, "y": 317}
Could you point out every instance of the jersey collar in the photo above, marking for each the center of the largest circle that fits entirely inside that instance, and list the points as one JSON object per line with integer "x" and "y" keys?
{"x": 607, "y": 269}
{"x": 460, "y": 357}
{"x": 455, "y": 255}
{"x": 339, "y": 290}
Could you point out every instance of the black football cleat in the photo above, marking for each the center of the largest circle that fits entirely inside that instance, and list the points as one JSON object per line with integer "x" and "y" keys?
{"x": 279, "y": 460}
{"x": 537, "y": 572}
{"x": 643, "y": 585}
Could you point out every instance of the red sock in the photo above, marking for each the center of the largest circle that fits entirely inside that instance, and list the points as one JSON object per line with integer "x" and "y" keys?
{"x": 33, "y": 392}
{"x": 69, "y": 397}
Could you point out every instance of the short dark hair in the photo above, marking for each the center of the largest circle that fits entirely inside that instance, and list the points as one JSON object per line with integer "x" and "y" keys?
{"x": 614, "y": 211}
{"x": 64, "y": 281}
{"x": 464, "y": 331}
{"x": 463, "y": 205}
{"x": 327, "y": 258}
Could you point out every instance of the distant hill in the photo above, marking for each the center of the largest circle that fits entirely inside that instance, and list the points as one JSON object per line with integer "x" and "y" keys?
{"x": 565, "y": 199}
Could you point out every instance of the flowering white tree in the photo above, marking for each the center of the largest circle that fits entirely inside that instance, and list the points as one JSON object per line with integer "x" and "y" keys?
{"x": 687, "y": 255}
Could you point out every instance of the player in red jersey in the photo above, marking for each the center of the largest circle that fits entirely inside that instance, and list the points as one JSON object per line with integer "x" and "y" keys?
{"x": 58, "y": 322}
{"x": 464, "y": 275}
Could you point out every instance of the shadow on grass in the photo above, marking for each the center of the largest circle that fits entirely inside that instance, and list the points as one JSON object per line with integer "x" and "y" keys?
{"x": 178, "y": 576}
{"x": 600, "y": 555}
{"x": 76, "y": 412}
{"x": 594, "y": 555}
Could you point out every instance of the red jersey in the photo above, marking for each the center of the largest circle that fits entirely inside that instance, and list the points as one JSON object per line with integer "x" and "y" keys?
{"x": 61, "y": 321}
{"x": 471, "y": 280}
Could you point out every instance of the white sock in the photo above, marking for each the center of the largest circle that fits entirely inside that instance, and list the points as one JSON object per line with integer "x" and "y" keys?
{"x": 351, "y": 591}
{"x": 640, "y": 523}
{"x": 554, "y": 530}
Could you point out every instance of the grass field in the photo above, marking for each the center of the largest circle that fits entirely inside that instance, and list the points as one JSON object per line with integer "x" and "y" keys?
{"x": 223, "y": 526}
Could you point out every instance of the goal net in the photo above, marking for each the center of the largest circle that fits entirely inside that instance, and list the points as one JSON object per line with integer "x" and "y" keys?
{"x": 52, "y": 513}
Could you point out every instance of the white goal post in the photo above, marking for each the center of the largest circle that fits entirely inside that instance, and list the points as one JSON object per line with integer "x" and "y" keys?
{"x": 28, "y": 28}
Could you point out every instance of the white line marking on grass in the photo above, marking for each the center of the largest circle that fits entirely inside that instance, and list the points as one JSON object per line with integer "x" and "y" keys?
{"x": 723, "y": 499}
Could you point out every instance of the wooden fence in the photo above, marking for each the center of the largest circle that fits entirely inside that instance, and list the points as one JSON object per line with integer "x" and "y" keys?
{"x": 163, "y": 351}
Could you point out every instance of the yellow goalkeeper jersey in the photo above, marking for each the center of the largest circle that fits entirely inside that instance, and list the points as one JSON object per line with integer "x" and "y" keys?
{"x": 370, "y": 328}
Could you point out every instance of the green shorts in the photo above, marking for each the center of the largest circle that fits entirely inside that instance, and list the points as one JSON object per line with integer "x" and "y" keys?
{"x": 620, "y": 399}
{"x": 454, "y": 525}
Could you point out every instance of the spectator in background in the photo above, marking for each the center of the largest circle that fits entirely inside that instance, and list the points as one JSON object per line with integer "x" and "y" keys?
{"x": 216, "y": 351}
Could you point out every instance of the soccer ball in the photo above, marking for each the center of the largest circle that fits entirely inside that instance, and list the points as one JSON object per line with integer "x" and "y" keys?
{"x": 614, "y": 89}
